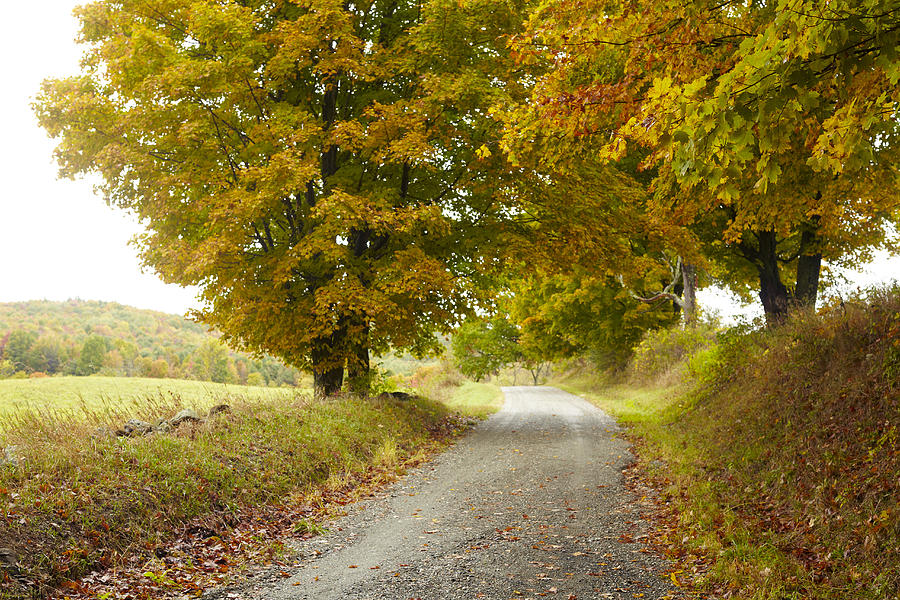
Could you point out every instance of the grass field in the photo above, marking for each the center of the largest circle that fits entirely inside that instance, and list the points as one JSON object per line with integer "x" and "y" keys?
{"x": 118, "y": 395}
{"x": 86, "y": 500}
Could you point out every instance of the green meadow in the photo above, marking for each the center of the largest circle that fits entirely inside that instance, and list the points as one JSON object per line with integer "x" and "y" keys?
{"x": 117, "y": 395}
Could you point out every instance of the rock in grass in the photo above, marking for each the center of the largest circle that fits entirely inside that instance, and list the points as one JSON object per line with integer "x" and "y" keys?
{"x": 134, "y": 428}
{"x": 8, "y": 559}
{"x": 185, "y": 415}
{"x": 403, "y": 396}
{"x": 103, "y": 433}
{"x": 9, "y": 567}
{"x": 10, "y": 458}
{"x": 217, "y": 410}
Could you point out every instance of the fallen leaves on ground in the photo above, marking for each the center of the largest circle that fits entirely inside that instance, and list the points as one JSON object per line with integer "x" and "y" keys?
{"x": 219, "y": 549}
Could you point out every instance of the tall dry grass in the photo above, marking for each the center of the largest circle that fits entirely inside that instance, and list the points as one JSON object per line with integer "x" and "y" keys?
{"x": 80, "y": 500}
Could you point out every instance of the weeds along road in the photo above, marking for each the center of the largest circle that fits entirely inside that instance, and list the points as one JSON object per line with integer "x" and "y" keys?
{"x": 530, "y": 504}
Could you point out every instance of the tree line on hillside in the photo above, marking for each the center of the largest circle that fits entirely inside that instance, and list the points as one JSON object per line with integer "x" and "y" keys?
{"x": 88, "y": 338}
{"x": 340, "y": 179}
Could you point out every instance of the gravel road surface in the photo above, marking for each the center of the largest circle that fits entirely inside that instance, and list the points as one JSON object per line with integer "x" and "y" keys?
{"x": 531, "y": 504}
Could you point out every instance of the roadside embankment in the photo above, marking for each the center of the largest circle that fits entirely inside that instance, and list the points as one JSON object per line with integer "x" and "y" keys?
{"x": 779, "y": 454}
{"x": 89, "y": 513}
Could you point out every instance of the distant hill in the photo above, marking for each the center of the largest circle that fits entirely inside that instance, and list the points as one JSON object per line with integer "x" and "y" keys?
{"x": 80, "y": 337}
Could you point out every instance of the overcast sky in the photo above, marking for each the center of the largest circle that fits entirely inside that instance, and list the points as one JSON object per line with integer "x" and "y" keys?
{"x": 58, "y": 240}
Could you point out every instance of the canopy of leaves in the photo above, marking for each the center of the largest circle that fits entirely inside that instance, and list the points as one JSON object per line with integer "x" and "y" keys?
{"x": 562, "y": 315}
{"x": 770, "y": 127}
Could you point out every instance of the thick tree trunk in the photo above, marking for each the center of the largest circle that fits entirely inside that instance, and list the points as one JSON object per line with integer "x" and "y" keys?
{"x": 359, "y": 373}
{"x": 772, "y": 292}
{"x": 327, "y": 381}
{"x": 808, "y": 269}
{"x": 809, "y": 265}
{"x": 689, "y": 299}
{"x": 327, "y": 355}
{"x": 358, "y": 365}
{"x": 328, "y": 364}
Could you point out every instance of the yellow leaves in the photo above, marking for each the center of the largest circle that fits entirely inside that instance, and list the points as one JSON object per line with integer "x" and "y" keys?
{"x": 662, "y": 87}
{"x": 483, "y": 152}
{"x": 350, "y": 135}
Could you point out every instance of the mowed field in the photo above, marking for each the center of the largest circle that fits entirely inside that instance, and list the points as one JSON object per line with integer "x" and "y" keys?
{"x": 118, "y": 395}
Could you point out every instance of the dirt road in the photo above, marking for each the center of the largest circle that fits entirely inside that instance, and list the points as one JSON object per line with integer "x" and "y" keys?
{"x": 531, "y": 504}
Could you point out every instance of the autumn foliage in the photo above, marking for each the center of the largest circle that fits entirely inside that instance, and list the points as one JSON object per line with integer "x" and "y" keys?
{"x": 768, "y": 130}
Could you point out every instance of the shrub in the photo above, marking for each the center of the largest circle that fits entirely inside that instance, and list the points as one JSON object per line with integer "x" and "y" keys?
{"x": 705, "y": 365}
{"x": 436, "y": 381}
{"x": 664, "y": 350}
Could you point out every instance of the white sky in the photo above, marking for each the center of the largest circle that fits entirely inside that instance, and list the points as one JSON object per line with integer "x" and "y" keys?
{"x": 58, "y": 240}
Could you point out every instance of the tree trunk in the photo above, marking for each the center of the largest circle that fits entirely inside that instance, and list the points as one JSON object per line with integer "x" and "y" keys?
{"x": 327, "y": 381}
{"x": 772, "y": 292}
{"x": 689, "y": 299}
{"x": 809, "y": 265}
{"x": 359, "y": 373}
{"x": 328, "y": 364}
{"x": 327, "y": 354}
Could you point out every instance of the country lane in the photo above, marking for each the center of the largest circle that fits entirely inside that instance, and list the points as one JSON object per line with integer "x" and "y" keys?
{"x": 531, "y": 504}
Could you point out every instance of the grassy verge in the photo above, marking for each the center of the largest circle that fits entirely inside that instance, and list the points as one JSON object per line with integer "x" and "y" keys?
{"x": 478, "y": 400}
{"x": 444, "y": 384}
{"x": 150, "y": 508}
{"x": 781, "y": 466}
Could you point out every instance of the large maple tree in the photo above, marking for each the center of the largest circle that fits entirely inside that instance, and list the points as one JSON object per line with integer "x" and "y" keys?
{"x": 321, "y": 169}
{"x": 772, "y": 126}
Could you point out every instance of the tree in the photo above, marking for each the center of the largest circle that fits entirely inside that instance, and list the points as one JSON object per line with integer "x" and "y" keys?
{"x": 7, "y": 369}
{"x": 92, "y": 355}
{"x": 158, "y": 369}
{"x": 561, "y": 315}
{"x": 322, "y": 170}
{"x": 129, "y": 352}
{"x": 746, "y": 111}
{"x": 17, "y": 347}
{"x": 47, "y": 355}
{"x": 210, "y": 362}
{"x": 483, "y": 346}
